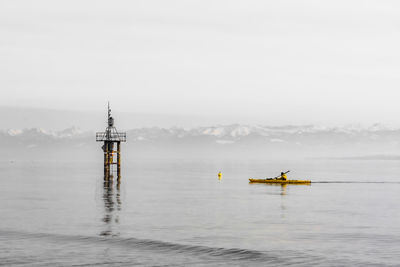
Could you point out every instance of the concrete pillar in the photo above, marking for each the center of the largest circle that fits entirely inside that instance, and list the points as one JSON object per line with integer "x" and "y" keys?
{"x": 106, "y": 166}
{"x": 119, "y": 162}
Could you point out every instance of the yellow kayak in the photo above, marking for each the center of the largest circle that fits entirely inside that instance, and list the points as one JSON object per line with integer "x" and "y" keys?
{"x": 279, "y": 181}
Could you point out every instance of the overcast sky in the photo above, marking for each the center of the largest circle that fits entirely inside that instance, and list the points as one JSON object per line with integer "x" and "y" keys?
{"x": 273, "y": 61}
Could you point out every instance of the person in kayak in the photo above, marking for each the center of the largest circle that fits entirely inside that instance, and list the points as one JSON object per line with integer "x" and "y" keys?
{"x": 283, "y": 176}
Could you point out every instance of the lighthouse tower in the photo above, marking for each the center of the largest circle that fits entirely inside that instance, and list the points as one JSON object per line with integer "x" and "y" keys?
{"x": 112, "y": 148}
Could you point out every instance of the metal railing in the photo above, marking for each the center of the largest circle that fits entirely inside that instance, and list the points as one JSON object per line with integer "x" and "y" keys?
{"x": 102, "y": 136}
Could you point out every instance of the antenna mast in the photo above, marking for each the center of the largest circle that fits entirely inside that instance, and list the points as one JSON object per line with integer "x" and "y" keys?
{"x": 109, "y": 110}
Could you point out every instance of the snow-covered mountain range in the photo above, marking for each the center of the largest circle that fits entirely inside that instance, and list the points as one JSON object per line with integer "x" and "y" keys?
{"x": 234, "y": 132}
{"x": 220, "y": 141}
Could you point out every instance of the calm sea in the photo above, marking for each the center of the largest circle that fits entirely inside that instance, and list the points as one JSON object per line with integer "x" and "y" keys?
{"x": 177, "y": 212}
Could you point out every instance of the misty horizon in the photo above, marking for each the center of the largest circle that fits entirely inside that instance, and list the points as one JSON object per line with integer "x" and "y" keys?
{"x": 214, "y": 142}
{"x": 94, "y": 120}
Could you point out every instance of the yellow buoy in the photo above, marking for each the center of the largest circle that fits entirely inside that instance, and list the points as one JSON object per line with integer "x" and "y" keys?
{"x": 219, "y": 176}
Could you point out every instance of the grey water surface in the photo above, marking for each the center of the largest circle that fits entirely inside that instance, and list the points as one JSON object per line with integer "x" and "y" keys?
{"x": 177, "y": 212}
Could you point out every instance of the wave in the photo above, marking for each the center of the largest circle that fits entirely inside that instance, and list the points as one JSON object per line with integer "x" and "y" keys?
{"x": 223, "y": 254}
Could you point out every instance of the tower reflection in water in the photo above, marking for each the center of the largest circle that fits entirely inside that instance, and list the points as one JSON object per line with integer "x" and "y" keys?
{"x": 112, "y": 208}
